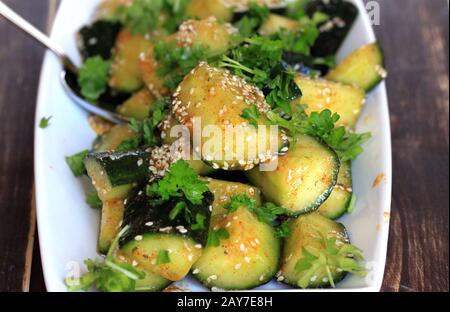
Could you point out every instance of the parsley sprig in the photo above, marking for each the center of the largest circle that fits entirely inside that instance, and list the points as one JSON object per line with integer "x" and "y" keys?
{"x": 93, "y": 77}
{"x": 144, "y": 16}
{"x": 323, "y": 126}
{"x": 108, "y": 274}
{"x": 333, "y": 256}
{"x": 145, "y": 129}
{"x": 174, "y": 62}
{"x": 179, "y": 181}
{"x": 259, "y": 61}
{"x": 250, "y": 22}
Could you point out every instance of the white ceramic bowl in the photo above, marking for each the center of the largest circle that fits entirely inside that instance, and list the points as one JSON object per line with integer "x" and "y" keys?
{"x": 68, "y": 227}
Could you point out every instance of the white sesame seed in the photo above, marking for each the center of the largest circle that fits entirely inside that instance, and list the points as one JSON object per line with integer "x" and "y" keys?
{"x": 138, "y": 238}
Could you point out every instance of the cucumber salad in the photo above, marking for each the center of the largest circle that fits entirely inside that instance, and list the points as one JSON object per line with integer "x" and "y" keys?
{"x": 173, "y": 205}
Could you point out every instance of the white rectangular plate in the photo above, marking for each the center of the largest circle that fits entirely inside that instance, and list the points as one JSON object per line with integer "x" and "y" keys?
{"x": 68, "y": 227}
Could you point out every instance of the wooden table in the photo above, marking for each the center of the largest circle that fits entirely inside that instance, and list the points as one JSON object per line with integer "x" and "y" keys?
{"x": 414, "y": 34}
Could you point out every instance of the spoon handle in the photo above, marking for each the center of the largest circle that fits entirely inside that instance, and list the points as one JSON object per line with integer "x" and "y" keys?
{"x": 35, "y": 33}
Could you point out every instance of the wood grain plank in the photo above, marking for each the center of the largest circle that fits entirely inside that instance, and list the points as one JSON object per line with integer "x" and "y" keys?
{"x": 20, "y": 61}
{"x": 414, "y": 35}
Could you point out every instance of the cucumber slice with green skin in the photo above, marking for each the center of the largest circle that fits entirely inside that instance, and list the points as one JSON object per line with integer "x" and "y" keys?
{"x": 113, "y": 174}
{"x": 304, "y": 178}
{"x": 138, "y": 106}
{"x": 363, "y": 68}
{"x": 153, "y": 229}
{"x": 126, "y": 75}
{"x": 248, "y": 258}
{"x": 333, "y": 32}
{"x": 336, "y": 205}
{"x": 321, "y": 94}
{"x": 224, "y": 190}
{"x": 181, "y": 250}
{"x": 98, "y": 39}
{"x": 144, "y": 215}
{"x": 111, "y": 219}
{"x": 219, "y": 98}
{"x": 151, "y": 282}
{"x": 110, "y": 141}
{"x": 307, "y": 233}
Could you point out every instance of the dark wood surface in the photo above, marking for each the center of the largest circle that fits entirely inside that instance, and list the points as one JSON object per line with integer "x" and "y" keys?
{"x": 414, "y": 34}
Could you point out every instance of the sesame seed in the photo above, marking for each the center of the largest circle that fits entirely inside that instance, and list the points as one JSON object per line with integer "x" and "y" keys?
{"x": 196, "y": 271}
{"x": 238, "y": 266}
{"x": 138, "y": 238}
{"x": 150, "y": 223}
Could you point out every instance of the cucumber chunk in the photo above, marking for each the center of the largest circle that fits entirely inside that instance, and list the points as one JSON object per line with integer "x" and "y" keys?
{"x": 363, "y": 68}
{"x": 320, "y": 94}
{"x": 219, "y": 98}
{"x": 138, "y": 106}
{"x": 203, "y": 9}
{"x": 110, "y": 221}
{"x": 309, "y": 234}
{"x": 126, "y": 75}
{"x": 154, "y": 230}
{"x": 304, "y": 178}
{"x": 249, "y": 257}
{"x": 111, "y": 140}
{"x": 224, "y": 190}
{"x": 336, "y": 205}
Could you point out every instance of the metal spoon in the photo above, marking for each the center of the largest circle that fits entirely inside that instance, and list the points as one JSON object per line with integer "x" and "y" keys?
{"x": 69, "y": 71}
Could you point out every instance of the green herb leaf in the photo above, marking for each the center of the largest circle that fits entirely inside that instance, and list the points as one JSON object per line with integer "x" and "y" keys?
{"x": 45, "y": 122}
{"x": 93, "y": 77}
{"x": 332, "y": 256}
{"x": 76, "y": 163}
{"x": 163, "y": 257}
{"x": 93, "y": 200}
{"x": 251, "y": 114}
{"x": 128, "y": 144}
{"x": 179, "y": 180}
{"x": 322, "y": 125}
{"x": 199, "y": 222}
{"x": 215, "y": 236}
{"x": 250, "y": 22}
{"x": 283, "y": 230}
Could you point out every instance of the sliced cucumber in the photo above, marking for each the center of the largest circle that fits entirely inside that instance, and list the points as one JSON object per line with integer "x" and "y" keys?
{"x": 308, "y": 233}
{"x": 220, "y": 99}
{"x": 304, "y": 178}
{"x": 126, "y": 75}
{"x": 249, "y": 257}
{"x": 336, "y": 205}
{"x": 320, "y": 94}
{"x": 224, "y": 190}
{"x": 181, "y": 250}
{"x": 112, "y": 139}
{"x": 111, "y": 219}
{"x": 138, "y": 106}
{"x": 154, "y": 230}
{"x": 363, "y": 68}
{"x": 113, "y": 174}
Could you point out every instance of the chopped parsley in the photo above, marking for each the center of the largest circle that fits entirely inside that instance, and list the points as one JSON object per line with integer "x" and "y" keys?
{"x": 322, "y": 125}
{"x": 215, "y": 236}
{"x": 76, "y": 163}
{"x": 93, "y": 200}
{"x": 199, "y": 222}
{"x": 44, "y": 122}
{"x": 259, "y": 61}
{"x": 176, "y": 62}
{"x": 144, "y": 16}
{"x": 251, "y": 114}
{"x": 93, "y": 77}
{"x": 250, "y": 22}
{"x": 180, "y": 180}
{"x": 163, "y": 257}
{"x": 145, "y": 129}
{"x": 333, "y": 256}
